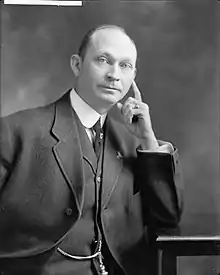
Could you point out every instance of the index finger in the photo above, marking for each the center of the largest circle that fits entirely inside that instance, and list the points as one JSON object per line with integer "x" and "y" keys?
{"x": 137, "y": 93}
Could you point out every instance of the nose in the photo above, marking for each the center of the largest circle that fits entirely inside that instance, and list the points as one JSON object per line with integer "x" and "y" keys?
{"x": 113, "y": 73}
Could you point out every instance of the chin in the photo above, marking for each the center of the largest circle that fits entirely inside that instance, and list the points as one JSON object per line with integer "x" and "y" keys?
{"x": 109, "y": 99}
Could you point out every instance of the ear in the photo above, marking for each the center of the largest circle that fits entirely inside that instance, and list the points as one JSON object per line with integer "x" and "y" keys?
{"x": 76, "y": 64}
{"x": 135, "y": 73}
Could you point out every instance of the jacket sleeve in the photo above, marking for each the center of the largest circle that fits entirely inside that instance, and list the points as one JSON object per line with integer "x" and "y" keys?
{"x": 159, "y": 179}
{"x": 6, "y": 155}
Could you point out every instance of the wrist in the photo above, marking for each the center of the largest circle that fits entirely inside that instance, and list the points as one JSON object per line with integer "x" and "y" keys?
{"x": 149, "y": 142}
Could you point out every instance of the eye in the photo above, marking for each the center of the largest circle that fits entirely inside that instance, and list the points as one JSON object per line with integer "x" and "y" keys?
{"x": 102, "y": 60}
{"x": 126, "y": 65}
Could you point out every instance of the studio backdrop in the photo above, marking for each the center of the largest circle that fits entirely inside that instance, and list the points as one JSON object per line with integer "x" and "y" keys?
{"x": 178, "y": 76}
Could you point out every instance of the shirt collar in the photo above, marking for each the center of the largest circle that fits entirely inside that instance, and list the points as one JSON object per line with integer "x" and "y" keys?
{"x": 86, "y": 114}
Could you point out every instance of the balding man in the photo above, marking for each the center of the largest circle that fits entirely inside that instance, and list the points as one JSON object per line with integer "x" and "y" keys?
{"x": 80, "y": 191}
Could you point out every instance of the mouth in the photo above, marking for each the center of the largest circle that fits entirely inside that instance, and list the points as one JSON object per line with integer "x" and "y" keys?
{"x": 110, "y": 88}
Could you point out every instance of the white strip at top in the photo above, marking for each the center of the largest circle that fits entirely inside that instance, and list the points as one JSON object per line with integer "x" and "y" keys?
{"x": 188, "y": 238}
{"x": 43, "y": 2}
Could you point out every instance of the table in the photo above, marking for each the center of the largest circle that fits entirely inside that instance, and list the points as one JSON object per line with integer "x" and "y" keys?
{"x": 185, "y": 243}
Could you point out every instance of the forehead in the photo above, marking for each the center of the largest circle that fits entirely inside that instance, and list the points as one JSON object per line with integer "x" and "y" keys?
{"x": 114, "y": 42}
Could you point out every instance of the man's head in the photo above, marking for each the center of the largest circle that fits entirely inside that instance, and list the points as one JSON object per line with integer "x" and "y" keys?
{"x": 105, "y": 66}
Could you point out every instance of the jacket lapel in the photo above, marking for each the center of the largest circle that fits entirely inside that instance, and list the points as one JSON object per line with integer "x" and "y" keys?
{"x": 67, "y": 151}
{"x": 112, "y": 163}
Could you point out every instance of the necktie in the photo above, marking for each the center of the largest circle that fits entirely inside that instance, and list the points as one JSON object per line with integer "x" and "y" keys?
{"x": 98, "y": 138}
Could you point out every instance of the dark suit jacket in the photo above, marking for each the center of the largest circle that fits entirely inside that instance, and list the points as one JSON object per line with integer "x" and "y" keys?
{"x": 42, "y": 176}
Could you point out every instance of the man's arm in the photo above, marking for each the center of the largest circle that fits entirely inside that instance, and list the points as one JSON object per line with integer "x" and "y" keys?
{"x": 158, "y": 176}
{"x": 5, "y": 151}
{"x": 157, "y": 171}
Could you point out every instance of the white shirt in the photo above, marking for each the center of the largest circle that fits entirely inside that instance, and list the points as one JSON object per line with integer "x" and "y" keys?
{"x": 86, "y": 114}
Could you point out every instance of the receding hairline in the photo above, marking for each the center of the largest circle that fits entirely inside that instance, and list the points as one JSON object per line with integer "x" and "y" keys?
{"x": 87, "y": 39}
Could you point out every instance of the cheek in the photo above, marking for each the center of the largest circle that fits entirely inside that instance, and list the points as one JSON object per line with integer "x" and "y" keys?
{"x": 99, "y": 72}
{"x": 87, "y": 77}
{"x": 127, "y": 81}
{"x": 96, "y": 75}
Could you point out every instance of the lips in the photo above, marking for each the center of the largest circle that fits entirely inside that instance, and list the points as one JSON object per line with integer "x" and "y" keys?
{"x": 110, "y": 88}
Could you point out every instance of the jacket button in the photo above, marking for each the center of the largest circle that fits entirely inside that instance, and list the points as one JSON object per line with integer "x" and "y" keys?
{"x": 69, "y": 211}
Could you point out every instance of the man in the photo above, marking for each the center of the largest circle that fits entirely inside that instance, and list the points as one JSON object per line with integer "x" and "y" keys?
{"x": 79, "y": 191}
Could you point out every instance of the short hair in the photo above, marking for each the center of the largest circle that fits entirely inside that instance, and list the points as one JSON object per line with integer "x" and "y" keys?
{"x": 87, "y": 38}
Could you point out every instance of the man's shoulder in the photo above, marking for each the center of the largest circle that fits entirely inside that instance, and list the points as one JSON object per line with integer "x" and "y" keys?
{"x": 29, "y": 120}
{"x": 32, "y": 114}
{"x": 33, "y": 120}
{"x": 28, "y": 115}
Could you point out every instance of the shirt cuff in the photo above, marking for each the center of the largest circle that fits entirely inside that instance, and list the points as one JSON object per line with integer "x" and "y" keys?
{"x": 165, "y": 147}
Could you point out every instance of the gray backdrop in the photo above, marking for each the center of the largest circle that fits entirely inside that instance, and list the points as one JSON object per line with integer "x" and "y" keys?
{"x": 178, "y": 75}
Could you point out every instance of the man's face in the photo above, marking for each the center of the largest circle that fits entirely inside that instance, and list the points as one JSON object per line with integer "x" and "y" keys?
{"x": 108, "y": 69}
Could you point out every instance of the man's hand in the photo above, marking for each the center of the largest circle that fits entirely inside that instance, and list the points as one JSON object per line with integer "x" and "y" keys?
{"x": 137, "y": 119}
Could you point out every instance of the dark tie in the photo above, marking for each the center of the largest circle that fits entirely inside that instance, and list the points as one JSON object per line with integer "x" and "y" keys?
{"x": 98, "y": 138}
